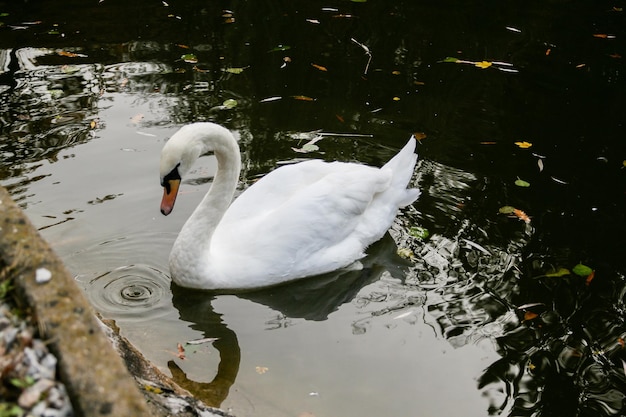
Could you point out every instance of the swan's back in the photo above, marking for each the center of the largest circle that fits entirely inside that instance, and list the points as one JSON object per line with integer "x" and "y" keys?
{"x": 309, "y": 218}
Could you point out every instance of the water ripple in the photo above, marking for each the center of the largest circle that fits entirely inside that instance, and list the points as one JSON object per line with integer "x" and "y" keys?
{"x": 126, "y": 277}
{"x": 138, "y": 292}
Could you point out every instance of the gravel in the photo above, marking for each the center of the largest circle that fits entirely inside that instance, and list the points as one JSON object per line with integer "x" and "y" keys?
{"x": 29, "y": 385}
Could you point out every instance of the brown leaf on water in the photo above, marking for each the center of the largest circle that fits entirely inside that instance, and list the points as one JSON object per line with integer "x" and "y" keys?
{"x": 303, "y": 98}
{"x": 603, "y": 36}
{"x": 319, "y": 67}
{"x": 136, "y": 118}
{"x": 71, "y": 54}
{"x": 590, "y": 278}
{"x": 529, "y": 315}
{"x": 181, "y": 351}
{"x": 419, "y": 136}
{"x": 521, "y": 215}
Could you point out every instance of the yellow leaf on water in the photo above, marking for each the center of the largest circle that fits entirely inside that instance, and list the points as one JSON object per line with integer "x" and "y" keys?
{"x": 524, "y": 144}
{"x": 482, "y": 64}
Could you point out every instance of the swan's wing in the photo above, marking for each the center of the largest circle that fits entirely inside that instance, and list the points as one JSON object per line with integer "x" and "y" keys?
{"x": 303, "y": 218}
{"x": 275, "y": 188}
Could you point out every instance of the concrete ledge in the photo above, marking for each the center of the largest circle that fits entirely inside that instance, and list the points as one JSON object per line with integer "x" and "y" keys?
{"x": 97, "y": 381}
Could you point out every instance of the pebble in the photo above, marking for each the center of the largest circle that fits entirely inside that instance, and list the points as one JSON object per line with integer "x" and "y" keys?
{"x": 25, "y": 359}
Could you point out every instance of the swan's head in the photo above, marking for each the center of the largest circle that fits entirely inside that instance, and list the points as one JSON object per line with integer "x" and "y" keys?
{"x": 177, "y": 158}
{"x": 182, "y": 150}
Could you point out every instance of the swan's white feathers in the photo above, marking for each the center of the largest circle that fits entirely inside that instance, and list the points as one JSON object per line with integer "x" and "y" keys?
{"x": 302, "y": 223}
{"x": 299, "y": 220}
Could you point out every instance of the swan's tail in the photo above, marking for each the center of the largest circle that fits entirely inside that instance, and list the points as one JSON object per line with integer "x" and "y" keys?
{"x": 402, "y": 166}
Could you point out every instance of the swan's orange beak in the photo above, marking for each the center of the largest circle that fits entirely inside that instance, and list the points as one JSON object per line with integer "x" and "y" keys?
{"x": 170, "y": 190}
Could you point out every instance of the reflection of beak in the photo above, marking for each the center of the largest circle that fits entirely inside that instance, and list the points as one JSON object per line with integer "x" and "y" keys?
{"x": 170, "y": 190}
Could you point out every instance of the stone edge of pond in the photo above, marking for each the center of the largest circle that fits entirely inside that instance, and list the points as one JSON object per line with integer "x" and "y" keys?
{"x": 96, "y": 377}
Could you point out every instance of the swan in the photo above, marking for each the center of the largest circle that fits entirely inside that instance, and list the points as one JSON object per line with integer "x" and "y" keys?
{"x": 299, "y": 220}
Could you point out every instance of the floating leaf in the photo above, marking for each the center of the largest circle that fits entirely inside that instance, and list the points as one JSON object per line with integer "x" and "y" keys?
{"x": 229, "y": 103}
{"x": 306, "y": 148}
{"x": 71, "y": 54}
{"x": 267, "y": 100}
{"x": 582, "y": 270}
{"x": 303, "y": 98}
{"x": 540, "y": 164}
{"x": 189, "y": 58}
{"x": 280, "y": 48}
{"x": 450, "y": 59}
{"x": 235, "y": 70}
{"x": 521, "y": 183}
{"x": 405, "y": 253}
{"x": 506, "y": 210}
{"x": 603, "y": 36}
{"x": 483, "y": 64}
{"x": 590, "y": 277}
{"x": 319, "y": 67}
{"x": 261, "y": 369}
{"x": 521, "y": 215}
{"x": 419, "y": 136}
{"x": 419, "y": 232}
{"x": 136, "y": 118}
{"x": 558, "y": 273}
{"x": 529, "y": 315}
{"x": 181, "y": 351}
{"x": 201, "y": 341}
{"x": 524, "y": 144}
{"x": 396, "y": 98}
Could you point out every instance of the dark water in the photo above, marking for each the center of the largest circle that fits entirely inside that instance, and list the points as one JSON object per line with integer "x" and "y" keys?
{"x": 474, "y": 324}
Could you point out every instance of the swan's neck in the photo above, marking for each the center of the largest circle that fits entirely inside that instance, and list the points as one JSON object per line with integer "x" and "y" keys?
{"x": 194, "y": 241}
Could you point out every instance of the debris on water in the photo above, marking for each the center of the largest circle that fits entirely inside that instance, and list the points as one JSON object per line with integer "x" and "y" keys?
{"x": 201, "y": 341}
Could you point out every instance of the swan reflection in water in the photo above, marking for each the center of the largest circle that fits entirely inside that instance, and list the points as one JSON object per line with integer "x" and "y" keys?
{"x": 310, "y": 299}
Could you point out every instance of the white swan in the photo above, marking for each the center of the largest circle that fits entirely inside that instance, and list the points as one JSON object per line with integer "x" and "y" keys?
{"x": 299, "y": 220}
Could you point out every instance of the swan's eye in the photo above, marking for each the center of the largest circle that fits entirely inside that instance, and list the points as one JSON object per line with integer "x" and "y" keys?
{"x": 173, "y": 175}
